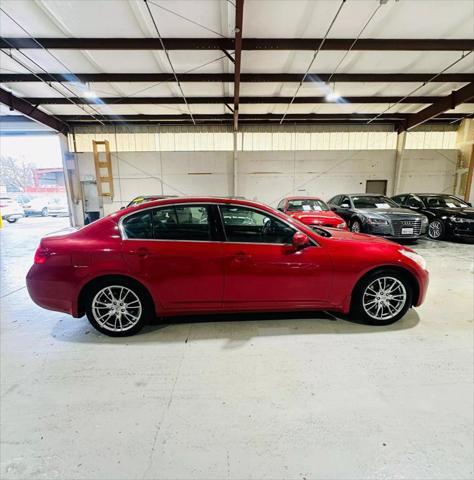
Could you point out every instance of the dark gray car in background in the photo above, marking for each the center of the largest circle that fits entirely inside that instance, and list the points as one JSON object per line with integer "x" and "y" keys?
{"x": 378, "y": 215}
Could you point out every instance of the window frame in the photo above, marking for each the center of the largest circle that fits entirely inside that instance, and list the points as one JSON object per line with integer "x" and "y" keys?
{"x": 215, "y": 217}
{"x": 341, "y": 201}
{"x": 263, "y": 212}
{"x": 214, "y": 229}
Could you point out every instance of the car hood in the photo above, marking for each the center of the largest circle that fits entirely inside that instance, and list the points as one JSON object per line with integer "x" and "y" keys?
{"x": 308, "y": 216}
{"x": 467, "y": 212}
{"x": 346, "y": 235}
{"x": 390, "y": 213}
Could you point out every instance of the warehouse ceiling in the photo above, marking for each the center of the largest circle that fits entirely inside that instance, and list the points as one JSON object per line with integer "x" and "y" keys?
{"x": 298, "y": 61}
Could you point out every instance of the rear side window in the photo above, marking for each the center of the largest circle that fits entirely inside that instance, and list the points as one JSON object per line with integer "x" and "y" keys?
{"x": 244, "y": 225}
{"x": 169, "y": 223}
{"x": 181, "y": 223}
{"x": 139, "y": 225}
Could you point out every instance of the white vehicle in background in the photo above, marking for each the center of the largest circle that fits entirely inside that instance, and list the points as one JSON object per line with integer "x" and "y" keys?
{"x": 10, "y": 209}
{"x": 58, "y": 207}
{"x": 36, "y": 206}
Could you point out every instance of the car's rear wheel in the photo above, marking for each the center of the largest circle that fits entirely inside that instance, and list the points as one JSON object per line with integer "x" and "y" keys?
{"x": 356, "y": 226}
{"x": 436, "y": 230}
{"x": 382, "y": 298}
{"x": 118, "y": 308}
{"x": 12, "y": 219}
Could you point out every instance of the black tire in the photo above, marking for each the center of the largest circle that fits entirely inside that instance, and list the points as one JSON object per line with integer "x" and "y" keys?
{"x": 358, "y": 310}
{"x": 44, "y": 212}
{"x": 146, "y": 304}
{"x": 356, "y": 226}
{"x": 11, "y": 220}
{"x": 436, "y": 230}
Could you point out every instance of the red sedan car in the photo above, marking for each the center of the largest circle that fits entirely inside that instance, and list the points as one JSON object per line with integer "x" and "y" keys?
{"x": 201, "y": 255}
{"x": 311, "y": 211}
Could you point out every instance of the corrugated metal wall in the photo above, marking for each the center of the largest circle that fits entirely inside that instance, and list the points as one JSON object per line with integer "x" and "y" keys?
{"x": 154, "y": 138}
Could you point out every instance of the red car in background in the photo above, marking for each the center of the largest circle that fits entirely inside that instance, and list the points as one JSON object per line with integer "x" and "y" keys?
{"x": 311, "y": 211}
{"x": 203, "y": 254}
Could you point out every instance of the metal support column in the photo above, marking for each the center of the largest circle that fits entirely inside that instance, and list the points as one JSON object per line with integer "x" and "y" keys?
{"x": 401, "y": 141}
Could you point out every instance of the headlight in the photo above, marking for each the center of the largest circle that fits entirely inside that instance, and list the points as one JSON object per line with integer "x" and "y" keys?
{"x": 424, "y": 220}
{"x": 377, "y": 221}
{"x": 415, "y": 257}
{"x": 341, "y": 225}
{"x": 457, "y": 219}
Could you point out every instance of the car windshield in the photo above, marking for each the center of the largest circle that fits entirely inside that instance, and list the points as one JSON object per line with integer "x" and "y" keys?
{"x": 373, "y": 201}
{"x": 307, "y": 205}
{"x": 443, "y": 201}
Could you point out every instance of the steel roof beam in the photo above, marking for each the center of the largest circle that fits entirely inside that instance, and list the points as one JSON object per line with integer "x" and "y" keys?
{"x": 31, "y": 111}
{"x": 224, "y": 100}
{"x": 229, "y": 77}
{"x": 463, "y": 95}
{"x": 363, "y": 44}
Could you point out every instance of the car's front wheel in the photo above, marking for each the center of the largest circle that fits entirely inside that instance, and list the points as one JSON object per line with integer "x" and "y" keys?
{"x": 382, "y": 298}
{"x": 436, "y": 230}
{"x": 118, "y": 308}
{"x": 356, "y": 226}
{"x": 11, "y": 219}
{"x": 44, "y": 212}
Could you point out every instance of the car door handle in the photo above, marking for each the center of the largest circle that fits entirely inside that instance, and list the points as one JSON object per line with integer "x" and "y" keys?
{"x": 140, "y": 252}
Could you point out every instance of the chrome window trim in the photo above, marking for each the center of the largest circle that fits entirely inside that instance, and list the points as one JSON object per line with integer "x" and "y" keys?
{"x": 123, "y": 235}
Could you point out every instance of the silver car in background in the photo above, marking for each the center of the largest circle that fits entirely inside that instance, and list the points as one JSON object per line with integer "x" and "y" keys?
{"x": 378, "y": 215}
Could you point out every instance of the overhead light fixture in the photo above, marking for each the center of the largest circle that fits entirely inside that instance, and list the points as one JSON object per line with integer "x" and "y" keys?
{"x": 332, "y": 96}
{"x": 90, "y": 94}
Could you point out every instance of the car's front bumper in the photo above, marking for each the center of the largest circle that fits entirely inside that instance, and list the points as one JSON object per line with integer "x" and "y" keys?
{"x": 394, "y": 231}
{"x": 462, "y": 229}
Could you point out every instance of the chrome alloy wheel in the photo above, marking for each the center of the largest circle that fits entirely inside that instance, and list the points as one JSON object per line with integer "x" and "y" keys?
{"x": 116, "y": 308}
{"x": 435, "y": 229}
{"x": 384, "y": 298}
{"x": 355, "y": 227}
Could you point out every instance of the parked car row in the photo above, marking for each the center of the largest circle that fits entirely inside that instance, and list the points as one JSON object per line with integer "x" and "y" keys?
{"x": 402, "y": 217}
{"x": 13, "y": 209}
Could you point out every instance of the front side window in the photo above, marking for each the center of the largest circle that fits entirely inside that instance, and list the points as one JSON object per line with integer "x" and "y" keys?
{"x": 307, "y": 205}
{"x": 244, "y": 225}
{"x": 414, "y": 202}
{"x": 399, "y": 199}
{"x": 373, "y": 201}
{"x": 345, "y": 202}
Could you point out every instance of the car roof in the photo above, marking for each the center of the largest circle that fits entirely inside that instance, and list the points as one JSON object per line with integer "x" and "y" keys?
{"x": 359, "y": 195}
{"x": 303, "y": 197}
{"x": 190, "y": 199}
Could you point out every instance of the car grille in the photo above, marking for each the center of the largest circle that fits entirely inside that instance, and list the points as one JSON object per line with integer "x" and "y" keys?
{"x": 399, "y": 224}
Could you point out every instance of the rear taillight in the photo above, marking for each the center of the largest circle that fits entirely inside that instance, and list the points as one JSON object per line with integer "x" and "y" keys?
{"x": 41, "y": 255}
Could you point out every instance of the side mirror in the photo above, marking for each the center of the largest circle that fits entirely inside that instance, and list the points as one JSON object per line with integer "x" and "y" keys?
{"x": 345, "y": 205}
{"x": 300, "y": 241}
{"x": 281, "y": 209}
{"x": 469, "y": 203}
{"x": 414, "y": 207}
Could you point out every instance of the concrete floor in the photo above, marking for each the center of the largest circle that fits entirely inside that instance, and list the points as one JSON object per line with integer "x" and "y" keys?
{"x": 266, "y": 397}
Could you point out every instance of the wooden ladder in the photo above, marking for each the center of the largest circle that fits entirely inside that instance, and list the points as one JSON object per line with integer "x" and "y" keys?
{"x": 103, "y": 168}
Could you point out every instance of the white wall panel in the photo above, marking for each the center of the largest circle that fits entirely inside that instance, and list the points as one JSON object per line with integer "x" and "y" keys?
{"x": 268, "y": 175}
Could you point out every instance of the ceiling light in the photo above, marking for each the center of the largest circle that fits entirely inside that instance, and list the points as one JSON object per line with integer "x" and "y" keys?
{"x": 332, "y": 97}
{"x": 90, "y": 94}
